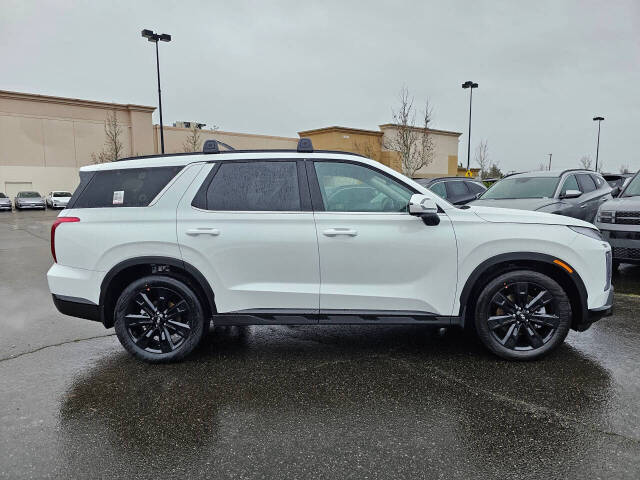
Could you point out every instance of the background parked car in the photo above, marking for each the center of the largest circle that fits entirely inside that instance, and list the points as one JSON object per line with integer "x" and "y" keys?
{"x": 457, "y": 190}
{"x": 58, "y": 199}
{"x": 5, "y": 202}
{"x": 617, "y": 181}
{"x": 619, "y": 222}
{"x": 574, "y": 193}
{"x": 29, "y": 200}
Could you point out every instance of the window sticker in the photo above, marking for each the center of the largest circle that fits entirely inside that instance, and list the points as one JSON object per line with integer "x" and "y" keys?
{"x": 118, "y": 197}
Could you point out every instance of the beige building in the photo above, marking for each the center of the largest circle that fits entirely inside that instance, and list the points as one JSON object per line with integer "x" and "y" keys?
{"x": 45, "y": 139}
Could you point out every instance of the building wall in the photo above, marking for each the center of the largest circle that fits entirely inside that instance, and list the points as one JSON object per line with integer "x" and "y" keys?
{"x": 174, "y": 139}
{"x": 44, "y": 139}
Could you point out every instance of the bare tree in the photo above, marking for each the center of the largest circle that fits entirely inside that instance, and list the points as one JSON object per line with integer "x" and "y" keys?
{"x": 482, "y": 157}
{"x": 624, "y": 169}
{"x": 586, "y": 162}
{"x": 364, "y": 148}
{"x": 193, "y": 141}
{"x": 414, "y": 144}
{"x": 113, "y": 148}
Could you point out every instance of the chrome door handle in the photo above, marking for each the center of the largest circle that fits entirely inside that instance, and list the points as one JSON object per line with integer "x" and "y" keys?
{"x": 203, "y": 231}
{"x": 333, "y": 232}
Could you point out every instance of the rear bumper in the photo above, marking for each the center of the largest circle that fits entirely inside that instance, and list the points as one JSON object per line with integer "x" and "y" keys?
{"x": 77, "y": 307}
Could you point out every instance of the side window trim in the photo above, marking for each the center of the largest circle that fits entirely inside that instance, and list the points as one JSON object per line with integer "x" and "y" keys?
{"x": 316, "y": 194}
{"x": 200, "y": 198}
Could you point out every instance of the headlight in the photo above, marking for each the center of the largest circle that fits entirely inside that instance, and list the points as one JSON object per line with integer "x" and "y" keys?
{"x": 589, "y": 232}
{"x": 606, "y": 216}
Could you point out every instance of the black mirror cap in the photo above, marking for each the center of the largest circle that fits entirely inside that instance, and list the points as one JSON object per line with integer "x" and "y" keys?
{"x": 305, "y": 145}
{"x": 430, "y": 219}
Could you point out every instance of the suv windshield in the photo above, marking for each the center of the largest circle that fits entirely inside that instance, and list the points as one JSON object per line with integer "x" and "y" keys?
{"x": 28, "y": 195}
{"x": 61, "y": 194}
{"x": 633, "y": 189}
{"x": 523, "y": 187}
{"x": 2, "y": 195}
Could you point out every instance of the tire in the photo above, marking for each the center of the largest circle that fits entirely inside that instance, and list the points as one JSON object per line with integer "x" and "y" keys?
{"x": 522, "y": 315}
{"x": 159, "y": 319}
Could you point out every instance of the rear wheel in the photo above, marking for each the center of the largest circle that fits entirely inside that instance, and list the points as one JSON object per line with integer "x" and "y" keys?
{"x": 522, "y": 315}
{"x": 159, "y": 319}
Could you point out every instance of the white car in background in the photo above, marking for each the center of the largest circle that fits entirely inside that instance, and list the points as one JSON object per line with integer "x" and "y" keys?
{"x": 58, "y": 199}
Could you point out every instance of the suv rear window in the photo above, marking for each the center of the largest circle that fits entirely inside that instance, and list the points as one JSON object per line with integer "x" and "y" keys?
{"x": 130, "y": 187}
{"x": 255, "y": 186}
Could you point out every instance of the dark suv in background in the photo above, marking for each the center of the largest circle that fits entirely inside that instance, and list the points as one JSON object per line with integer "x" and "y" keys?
{"x": 574, "y": 193}
{"x": 457, "y": 190}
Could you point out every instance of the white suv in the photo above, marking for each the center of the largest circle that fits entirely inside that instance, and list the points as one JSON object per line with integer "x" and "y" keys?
{"x": 160, "y": 246}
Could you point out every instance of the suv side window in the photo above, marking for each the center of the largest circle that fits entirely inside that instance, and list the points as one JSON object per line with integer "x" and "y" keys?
{"x": 127, "y": 187}
{"x": 475, "y": 187}
{"x": 457, "y": 188}
{"x": 586, "y": 182}
{"x": 598, "y": 179}
{"x": 348, "y": 187}
{"x": 255, "y": 186}
{"x": 439, "y": 189}
{"x": 570, "y": 184}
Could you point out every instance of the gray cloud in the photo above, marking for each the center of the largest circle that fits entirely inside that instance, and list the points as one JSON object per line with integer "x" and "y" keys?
{"x": 545, "y": 68}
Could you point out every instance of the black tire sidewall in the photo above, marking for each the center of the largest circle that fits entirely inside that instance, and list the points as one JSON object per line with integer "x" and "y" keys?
{"x": 199, "y": 325}
{"x": 563, "y": 310}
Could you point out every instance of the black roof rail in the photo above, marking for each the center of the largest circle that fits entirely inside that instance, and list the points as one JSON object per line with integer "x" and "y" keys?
{"x": 213, "y": 146}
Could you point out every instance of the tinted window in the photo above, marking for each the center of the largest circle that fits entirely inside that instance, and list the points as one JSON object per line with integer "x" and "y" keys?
{"x": 457, "y": 188}
{"x": 255, "y": 186}
{"x": 60, "y": 194}
{"x": 570, "y": 184}
{"x": 347, "y": 187}
{"x": 633, "y": 188}
{"x": 598, "y": 179}
{"x": 131, "y": 187}
{"x": 28, "y": 195}
{"x": 2, "y": 195}
{"x": 523, "y": 187}
{"x": 439, "y": 189}
{"x": 476, "y": 187}
{"x": 586, "y": 182}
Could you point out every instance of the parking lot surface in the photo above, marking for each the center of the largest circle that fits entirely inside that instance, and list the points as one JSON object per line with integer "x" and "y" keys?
{"x": 305, "y": 402}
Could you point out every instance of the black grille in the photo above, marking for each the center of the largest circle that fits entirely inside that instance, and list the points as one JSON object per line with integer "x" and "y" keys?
{"x": 628, "y": 218}
{"x": 620, "y": 252}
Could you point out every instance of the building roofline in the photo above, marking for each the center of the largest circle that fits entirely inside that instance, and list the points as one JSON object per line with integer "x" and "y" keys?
{"x": 232, "y": 134}
{"x": 430, "y": 130}
{"x": 337, "y": 128}
{"x": 73, "y": 101}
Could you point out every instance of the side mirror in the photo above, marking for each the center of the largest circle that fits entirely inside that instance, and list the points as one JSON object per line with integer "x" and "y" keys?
{"x": 425, "y": 208}
{"x": 572, "y": 194}
{"x": 478, "y": 195}
{"x": 615, "y": 191}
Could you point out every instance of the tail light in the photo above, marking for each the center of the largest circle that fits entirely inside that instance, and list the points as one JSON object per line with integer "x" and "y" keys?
{"x": 55, "y": 225}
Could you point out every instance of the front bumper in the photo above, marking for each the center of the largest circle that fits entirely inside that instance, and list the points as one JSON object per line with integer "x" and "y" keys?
{"x": 595, "y": 314}
{"x": 30, "y": 205}
{"x": 5, "y": 206}
{"x": 625, "y": 245}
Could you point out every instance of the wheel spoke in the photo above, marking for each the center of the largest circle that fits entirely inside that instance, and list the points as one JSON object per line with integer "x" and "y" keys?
{"x": 522, "y": 293}
{"x": 545, "y": 320}
{"x": 176, "y": 309}
{"x": 535, "y": 340}
{"x": 167, "y": 338}
{"x": 500, "y": 321}
{"x": 540, "y": 300}
{"x": 181, "y": 329}
{"x": 504, "y": 303}
{"x": 511, "y": 338}
{"x": 148, "y": 302}
{"x": 143, "y": 341}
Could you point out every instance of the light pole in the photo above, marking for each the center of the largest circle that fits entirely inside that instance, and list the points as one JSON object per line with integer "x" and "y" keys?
{"x": 550, "y": 155}
{"x": 155, "y": 37}
{"x": 471, "y": 85}
{"x": 598, "y": 119}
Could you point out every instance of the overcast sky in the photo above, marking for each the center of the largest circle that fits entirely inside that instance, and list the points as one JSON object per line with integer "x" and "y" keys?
{"x": 545, "y": 68}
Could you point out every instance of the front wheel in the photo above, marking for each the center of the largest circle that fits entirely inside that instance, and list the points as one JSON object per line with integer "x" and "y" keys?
{"x": 159, "y": 319}
{"x": 522, "y": 315}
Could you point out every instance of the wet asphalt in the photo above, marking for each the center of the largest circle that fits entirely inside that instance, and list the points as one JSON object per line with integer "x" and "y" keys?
{"x": 305, "y": 402}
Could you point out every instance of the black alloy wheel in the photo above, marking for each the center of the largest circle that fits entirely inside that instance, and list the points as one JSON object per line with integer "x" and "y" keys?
{"x": 159, "y": 319}
{"x": 522, "y": 315}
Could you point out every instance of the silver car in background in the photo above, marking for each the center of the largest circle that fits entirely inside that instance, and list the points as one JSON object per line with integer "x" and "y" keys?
{"x": 5, "y": 202}
{"x": 29, "y": 200}
{"x": 58, "y": 199}
{"x": 619, "y": 222}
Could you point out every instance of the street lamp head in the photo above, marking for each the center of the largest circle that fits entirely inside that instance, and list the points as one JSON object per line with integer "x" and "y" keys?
{"x": 165, "y": 37}
{"x": 469, "y": 84}
{"x": 598, "y": 119}
{"x": 148, "y": 34}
